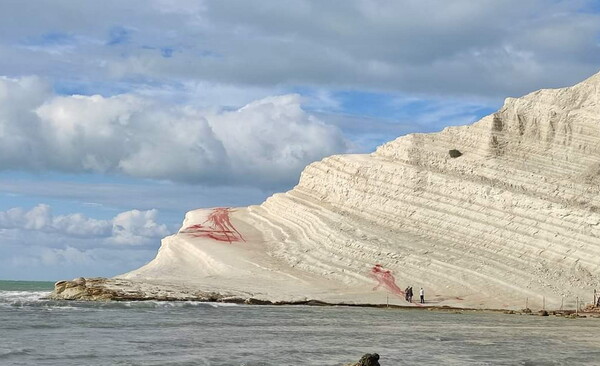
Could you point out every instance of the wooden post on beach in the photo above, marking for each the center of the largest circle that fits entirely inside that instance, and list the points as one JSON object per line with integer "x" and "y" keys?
{"x": 562, "y": 299}
{"x": 387, "y": 301}
{"x": 577, "y": 305}
{"x": 526, "y": 303}
{"x": 543, "y": 302}
{"x": 594, "y": 303}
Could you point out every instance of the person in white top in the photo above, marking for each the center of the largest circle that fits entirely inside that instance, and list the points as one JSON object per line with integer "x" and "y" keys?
{"x": 422, "y": 295}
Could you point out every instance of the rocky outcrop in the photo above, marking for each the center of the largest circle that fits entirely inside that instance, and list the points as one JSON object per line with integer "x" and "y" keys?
{"x": 83, "y": 289}
{"x": 115, "y": 289}
{"x": 104, "y": 289}
{"x": 369, "y": 359}
{"x": 498, "y": 214}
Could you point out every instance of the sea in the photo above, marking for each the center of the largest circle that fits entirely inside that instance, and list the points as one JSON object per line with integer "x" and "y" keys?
{"x": 37, "y": 331}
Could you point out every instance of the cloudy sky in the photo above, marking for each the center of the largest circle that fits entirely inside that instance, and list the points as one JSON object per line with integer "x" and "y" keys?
{"x": 117, "y": 117}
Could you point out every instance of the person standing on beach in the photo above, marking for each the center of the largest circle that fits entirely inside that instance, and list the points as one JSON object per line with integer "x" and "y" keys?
{"x": 422, "y": 295}
{"x": 409, "y": 293}
{"x": 406, "y": 293}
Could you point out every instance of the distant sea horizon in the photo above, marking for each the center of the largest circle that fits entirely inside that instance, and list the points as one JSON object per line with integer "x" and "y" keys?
{"x": 24, "y": 285}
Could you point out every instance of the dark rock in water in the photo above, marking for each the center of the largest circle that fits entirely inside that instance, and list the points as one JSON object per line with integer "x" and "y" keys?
{"x": 543, "y": 313}
{"x": 454, "y": 153}
{"x": 369, "y": 359}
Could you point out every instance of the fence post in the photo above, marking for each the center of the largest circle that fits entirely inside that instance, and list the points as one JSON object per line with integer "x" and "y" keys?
{"x": 543, "y": 302}
{"x": 562, "y": 300}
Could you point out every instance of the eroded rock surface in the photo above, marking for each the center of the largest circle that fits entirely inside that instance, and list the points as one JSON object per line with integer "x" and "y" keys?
{"x": 516, "y": 216}
{"x": 104, "y": 289}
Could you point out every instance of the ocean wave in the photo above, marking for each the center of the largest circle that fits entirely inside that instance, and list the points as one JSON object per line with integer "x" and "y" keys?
{"x": 6, "y": 353}
{"x": 153, "y": 304}
{"x": 20, "y": 297}
{"x": 16, "y": 299}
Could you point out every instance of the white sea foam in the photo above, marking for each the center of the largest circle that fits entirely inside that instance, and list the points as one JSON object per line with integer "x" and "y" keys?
{"x": 22, "y": 297}
{"x": 39, "y": 299}
{"x": 221, "y": 304}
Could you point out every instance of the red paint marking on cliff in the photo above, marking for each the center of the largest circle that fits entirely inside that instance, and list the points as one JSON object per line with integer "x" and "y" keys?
{"x": 385, "y": 278}
{"x": 217, "y": 226}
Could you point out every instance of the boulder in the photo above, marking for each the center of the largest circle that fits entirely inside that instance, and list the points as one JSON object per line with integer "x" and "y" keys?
{"x": 369, "y": 359}
{"x": 454, "y": 153}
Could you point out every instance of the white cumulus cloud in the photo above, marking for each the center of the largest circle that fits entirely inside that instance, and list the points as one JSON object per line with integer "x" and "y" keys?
{"x": 136, "y": 226}
{"x": 38, "y": 244}
{"x": 267, "y": 142}
{"x": 133, "y": 227}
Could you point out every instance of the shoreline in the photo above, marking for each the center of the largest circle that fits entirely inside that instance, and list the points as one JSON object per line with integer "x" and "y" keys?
{"x": 119, "y": 290}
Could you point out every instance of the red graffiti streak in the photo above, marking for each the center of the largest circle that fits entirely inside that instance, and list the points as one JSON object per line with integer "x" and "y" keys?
{"x": 217, "y": 226}
{"x": 385, "y": 278}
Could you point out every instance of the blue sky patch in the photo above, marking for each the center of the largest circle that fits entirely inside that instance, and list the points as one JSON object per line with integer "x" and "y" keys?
{"x": 166, "y": 52}
{"x": 118, "y": 35}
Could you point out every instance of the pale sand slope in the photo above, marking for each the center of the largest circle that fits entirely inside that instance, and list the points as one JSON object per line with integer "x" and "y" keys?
{"x": 516, "y": 216}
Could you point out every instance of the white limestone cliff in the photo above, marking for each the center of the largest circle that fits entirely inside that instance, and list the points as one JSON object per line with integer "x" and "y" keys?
{"x": 514, "y": 219}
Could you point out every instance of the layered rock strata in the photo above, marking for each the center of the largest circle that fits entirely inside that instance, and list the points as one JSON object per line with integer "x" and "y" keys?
{"x": 499, "y": 214}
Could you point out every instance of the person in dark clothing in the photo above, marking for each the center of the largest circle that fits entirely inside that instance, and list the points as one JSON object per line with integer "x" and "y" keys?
{"x": 410, "y": 293}
{"x": 406, "y": 293}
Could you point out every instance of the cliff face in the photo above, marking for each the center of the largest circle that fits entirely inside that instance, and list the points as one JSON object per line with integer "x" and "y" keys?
{"x": 513, "y": 215}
